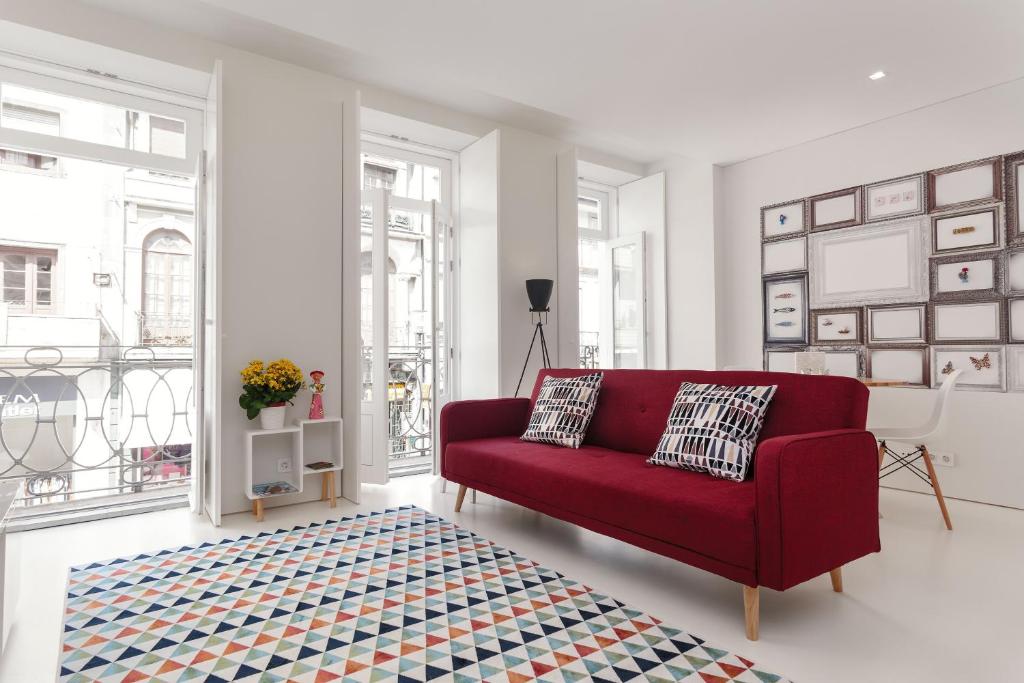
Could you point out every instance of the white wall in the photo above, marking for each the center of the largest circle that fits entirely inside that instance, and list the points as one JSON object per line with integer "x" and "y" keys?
{"x": 985, "y": 433}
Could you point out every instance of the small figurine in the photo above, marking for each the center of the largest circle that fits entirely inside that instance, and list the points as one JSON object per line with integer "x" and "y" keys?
{"x": 964, "y": 274}
{"x": 316, "y": 406}
{"x": 782, "y": 218}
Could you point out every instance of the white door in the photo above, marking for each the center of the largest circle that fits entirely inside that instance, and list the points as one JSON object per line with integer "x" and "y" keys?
{"x": 198, "y": 467}
{"x": 373, "y": 328}
{"x": 207, "y": 344}
{"x": 444, "y": 306}
{"x": 624, "y": 299}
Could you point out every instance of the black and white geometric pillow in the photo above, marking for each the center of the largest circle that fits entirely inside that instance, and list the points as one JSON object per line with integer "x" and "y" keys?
{"x": 563, "y": 410}
{"x": 714, "y": 429}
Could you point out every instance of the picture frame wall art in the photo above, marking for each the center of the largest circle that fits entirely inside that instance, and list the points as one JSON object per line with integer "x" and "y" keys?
{"x": 966, "y": 277}
{"x": 781, "y": 358}
{"x": 971, "y": 322}
{"x": 880, "y": 263}
{"x": 966, "y": 184}
{"x": 983, "y": 366}
{"x": 785, "y": 309}
{"x": 783, "y": 220}
{"x": 892, "y": 325}
{"x": 1013, "y": 173}
{"x": 784, "y": 256}
{"x": 966, "y": 230}
{"x": 1015, "y": 320}
{"x": 909, "y": 364}
{"x": 843, "y": 361}
{"x": 840, "y": 209}
{"x": 837, "y": 326}
{"x": 895, "y": 198}
{"x": 1015, "y": 271}
{"x": 1015, "y": 368}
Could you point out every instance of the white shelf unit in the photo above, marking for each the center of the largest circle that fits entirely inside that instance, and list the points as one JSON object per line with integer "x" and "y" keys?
{"x": 321, "y": 442}
{"x": 264, "y": 449}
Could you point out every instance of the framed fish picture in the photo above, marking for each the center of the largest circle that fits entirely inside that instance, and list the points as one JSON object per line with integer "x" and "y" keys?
{"x": 837, "y": 326}
{"x": 785, "y": 309}
{"x": 983, "y": 366}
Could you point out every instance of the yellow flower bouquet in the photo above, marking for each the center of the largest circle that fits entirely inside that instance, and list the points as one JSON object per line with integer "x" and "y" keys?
{"x": 269, "y": 385}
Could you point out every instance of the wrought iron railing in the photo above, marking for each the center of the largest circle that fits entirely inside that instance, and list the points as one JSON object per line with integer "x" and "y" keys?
{"x": 79, "y": 424}
{"x": 410, "y": 402}
{"x": 589, "y": 356}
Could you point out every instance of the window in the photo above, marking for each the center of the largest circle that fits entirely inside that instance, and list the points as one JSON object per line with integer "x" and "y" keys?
{"x": 595, "y": 214}
{"x": 166, "y": 137}
{"x": 34, "y": 120}
{"x": 28, "y": 279}
{"x": 167, "y": 289}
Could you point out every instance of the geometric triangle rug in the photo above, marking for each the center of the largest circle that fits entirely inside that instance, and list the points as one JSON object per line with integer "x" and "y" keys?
{"x": 399, "y": 595}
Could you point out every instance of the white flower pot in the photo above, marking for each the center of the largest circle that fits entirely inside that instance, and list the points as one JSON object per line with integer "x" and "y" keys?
{"x": 272, "y": 417}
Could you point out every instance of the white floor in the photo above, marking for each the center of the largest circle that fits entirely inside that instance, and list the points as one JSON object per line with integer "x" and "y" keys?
{"x": 932, "y": 606}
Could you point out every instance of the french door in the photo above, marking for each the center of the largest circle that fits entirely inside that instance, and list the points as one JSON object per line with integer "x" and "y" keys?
{"x": 405, "y": 304}
{"x": 622, "y": 281}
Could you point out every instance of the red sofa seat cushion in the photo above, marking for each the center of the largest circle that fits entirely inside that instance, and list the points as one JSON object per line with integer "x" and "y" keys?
{"x": 709, "y": 516}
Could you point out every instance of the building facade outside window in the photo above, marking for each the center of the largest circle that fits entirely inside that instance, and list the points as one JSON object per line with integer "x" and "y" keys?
{"x": 28, "y": 279}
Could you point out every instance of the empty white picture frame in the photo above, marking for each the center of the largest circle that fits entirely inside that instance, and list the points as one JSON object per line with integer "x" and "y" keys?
{"x": 968, "y": 276}
{"x": 843, "y": 362}
{"x": 1015, "y": 314}
{"x": 897, "y": 325}
{"x": 894, "y": 198}
{"x": 1015, "y": 271}
{"x": 1015, "y": 379}
{"x": 780, "y": 360}
{"x": 974, "y": 182}
{"x": 1013, "y": 170}
{"x": 905, "y": 364}
{"x": 966, "y": 230}
{"x": 784, "y": 256}
{"x": 983, "y": 366}
{"x": 838, "y": 209}
{"x": 976, "y": 321}
{"x": 780, "y": 220}
{"x": 873, "y": 264}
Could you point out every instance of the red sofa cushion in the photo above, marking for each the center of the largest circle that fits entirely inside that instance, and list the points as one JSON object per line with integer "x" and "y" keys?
{"x": 710, "y": 516}
{"x": 634, "y": 405}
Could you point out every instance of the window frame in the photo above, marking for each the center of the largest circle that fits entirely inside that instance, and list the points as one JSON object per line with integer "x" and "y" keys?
{"x": 607, "y": 198}
{"x": 33, "y": 252}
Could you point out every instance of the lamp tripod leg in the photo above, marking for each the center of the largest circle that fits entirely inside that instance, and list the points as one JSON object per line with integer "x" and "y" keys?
{"x": 529, "y": 353}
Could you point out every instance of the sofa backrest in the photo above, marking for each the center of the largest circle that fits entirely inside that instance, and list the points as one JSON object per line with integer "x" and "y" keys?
{"x": 633, "y": 406}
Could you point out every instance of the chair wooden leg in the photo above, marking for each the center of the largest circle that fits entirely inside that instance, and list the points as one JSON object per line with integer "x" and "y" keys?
{"x": 461, "y": 496}
{"x": 751, "y": 610}
{"x": 323, "y": 485}
{"x": 332, "y": 489}
{"x": 881, "y": 453}
{"x": 259, "y": 509}
{"x": 935, "y": 485}
{"x": 837, "y": 579}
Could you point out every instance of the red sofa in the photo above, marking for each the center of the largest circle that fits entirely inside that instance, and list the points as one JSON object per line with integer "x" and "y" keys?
{"x": 809, "y": 506}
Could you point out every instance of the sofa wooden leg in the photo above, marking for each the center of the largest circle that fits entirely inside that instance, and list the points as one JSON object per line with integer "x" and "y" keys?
{"x": 461, "y": 496}
{"x": 751, "y": 610}
{"x": 837, "y": 579}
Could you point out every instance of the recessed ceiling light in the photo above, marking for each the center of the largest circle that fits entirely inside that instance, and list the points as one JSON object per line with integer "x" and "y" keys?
{"x": 877, "y": 75}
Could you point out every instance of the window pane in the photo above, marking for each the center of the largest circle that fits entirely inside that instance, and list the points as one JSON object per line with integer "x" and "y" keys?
{"x": 402, "y": 178}
{"x": 588, "y": 212}
{"x": 43, "y": 297}
{"x": 38, "y": 111}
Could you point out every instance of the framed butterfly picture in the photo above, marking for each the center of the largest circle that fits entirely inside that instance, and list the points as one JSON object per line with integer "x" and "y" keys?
{"x": 984, "y": 367}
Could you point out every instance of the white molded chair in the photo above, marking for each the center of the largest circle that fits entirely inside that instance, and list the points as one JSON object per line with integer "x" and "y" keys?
{"x": 918, "y": 436}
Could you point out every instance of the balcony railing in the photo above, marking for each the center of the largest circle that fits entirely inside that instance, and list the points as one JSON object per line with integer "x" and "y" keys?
{"x": 589, "y": 356}
{"x": 92, "y": 426}
{"x": 410, "y": 406}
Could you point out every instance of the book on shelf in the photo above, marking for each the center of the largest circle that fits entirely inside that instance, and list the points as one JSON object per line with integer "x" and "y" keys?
{"x": 321, "y": 465}
{"x": 273, "y": 488}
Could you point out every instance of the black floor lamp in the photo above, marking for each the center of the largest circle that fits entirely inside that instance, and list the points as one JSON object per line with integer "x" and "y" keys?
{"x": 539, "y": 292}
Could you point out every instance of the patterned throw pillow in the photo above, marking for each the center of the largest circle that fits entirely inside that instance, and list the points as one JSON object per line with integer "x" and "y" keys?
{"x": 563, "y": 410}
{"x": 713, "y": 428}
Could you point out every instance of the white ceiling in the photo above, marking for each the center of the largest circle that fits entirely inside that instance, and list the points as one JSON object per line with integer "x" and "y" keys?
{"x": 718, "y": 80}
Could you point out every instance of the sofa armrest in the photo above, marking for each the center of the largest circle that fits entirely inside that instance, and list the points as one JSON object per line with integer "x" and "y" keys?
{"x": 465, "y": 420}
{"x": 817, "y": 504}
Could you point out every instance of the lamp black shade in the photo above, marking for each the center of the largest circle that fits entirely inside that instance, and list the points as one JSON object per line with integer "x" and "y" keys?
{"x": 539, "y": 292}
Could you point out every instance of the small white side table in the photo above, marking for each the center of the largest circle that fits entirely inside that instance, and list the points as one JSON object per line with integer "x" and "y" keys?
{"x": 266, "y": 461}
{"x": 321, "y": 442}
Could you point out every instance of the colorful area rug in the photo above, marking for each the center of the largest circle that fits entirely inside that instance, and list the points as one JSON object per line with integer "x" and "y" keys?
{"x": 400, "y": 595}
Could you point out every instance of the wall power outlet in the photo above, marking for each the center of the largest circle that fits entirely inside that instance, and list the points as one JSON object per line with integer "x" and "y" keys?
{"x": 943, "y": 459}
{"x": 284, "y": 465}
